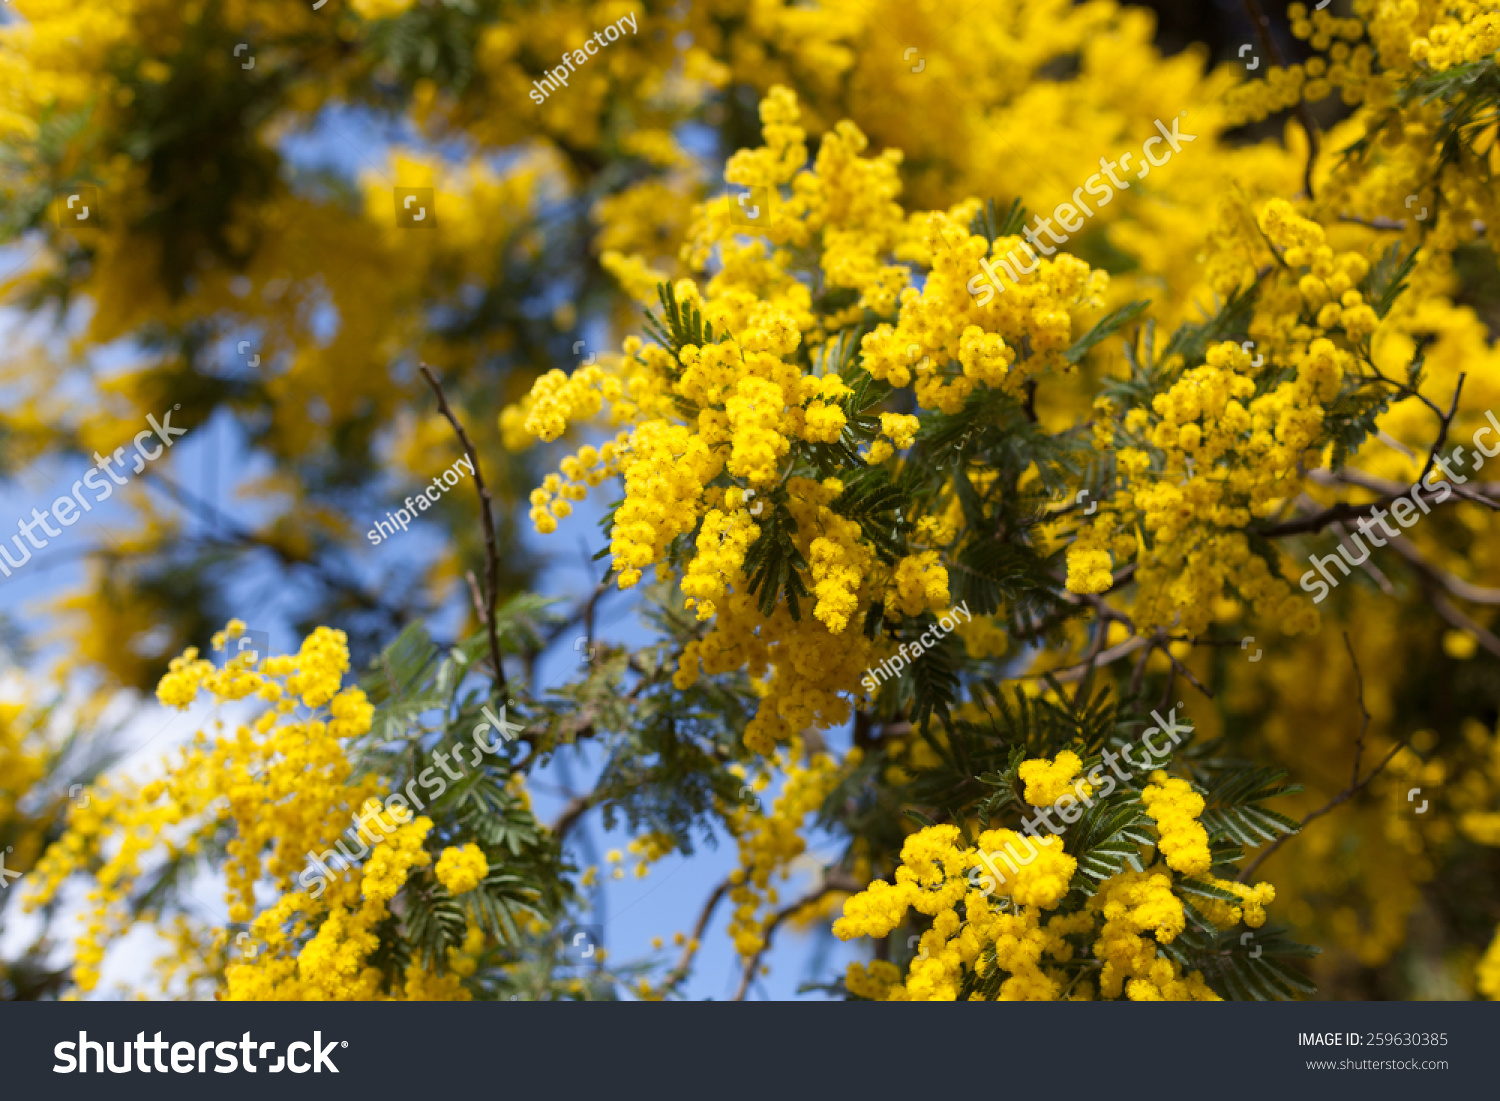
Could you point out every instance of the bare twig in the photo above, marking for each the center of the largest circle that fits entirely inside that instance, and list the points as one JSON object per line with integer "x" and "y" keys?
{"x": 1178, "y": 666}
{"x": 491, "y": 552}
{"x": 1320, "y": 520}
{"x": 476, "y": 595}
{"x": 1364, "y": 725}
{"x": 576, "y": 808}
{"x": 1368, "y": 565}
{"x": 1442, "y": 579}
{"x": 1262, "y": 26}
{"x": 1070, "y": 673}
{"x": 1484, "y": 493}
{"x": 1442, "y": 437}
{"x": 1457, "y": 620}
{"x": 584, "y": 613}
{"x": 1356, "y": 785}
{"x": 830, "y": 883}
{"x": 695, "y": 939}
{"x": 1138, "y": 674}
{"x": 238, "y": 536}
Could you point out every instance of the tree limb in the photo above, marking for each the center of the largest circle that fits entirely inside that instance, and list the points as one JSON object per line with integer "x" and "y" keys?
{"x": 1356, "y": 785}
{"x": 830, "y": 883}
{"x": 491, "y": 552}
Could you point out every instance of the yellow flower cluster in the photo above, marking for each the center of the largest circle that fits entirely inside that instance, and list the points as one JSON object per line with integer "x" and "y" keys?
{"x": 1222, "y": 457}
{"x": 1140, "y": 911}
{"x": 1470, "y": 32}
{"x": 934, "y": 879}
{"x": 1041, "y": 881}
{"x": 722, "y": 542}
{"x": 1251, "y": 908}
{"x": 1175, "y": 806}
{"x": 1047, "y": 780}
{"x": 281, "y": 788}
{"x": 838, "y": 561}
{"x": 710, "y": 428}
{"x": 805, "y": 687}
{"x": 769, "y": 843}
{"x": 945, "y": 344}
{"x": 461, "y": 869}
{"x": 1349, "y": 70}
{"x": 920, "y": 584}
{"x": 1132, "y": 914}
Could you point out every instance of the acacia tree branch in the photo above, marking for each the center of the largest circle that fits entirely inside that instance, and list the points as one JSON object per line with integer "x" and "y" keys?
{"x": 576, "y": 808}
{"x": 1483, "y": 493}
{"x": 1262, "y": 26}
{"x": 1442, "y": 579}
{"x": 1444, "y": 422}
{"x": 1356, "y": 785}
{"x": 1368, "y": 565}
{"x": 491, "y": 552}
{"x": 1390, "y": 491}
{"x": 235, "y": 535}
{"x": 695, "y": 939}
{"x": 830, "y": 883}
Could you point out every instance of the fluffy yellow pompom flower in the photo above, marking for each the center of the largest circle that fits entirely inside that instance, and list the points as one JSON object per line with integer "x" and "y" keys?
{"x": 1089, "y": 571}
{"x": 920, "y": 584}
{"x": 873, "y": 982}
{"x": 462, "y": 869}
{"x": 1175, "y": 806}
{"x": 1032, "y": 872}
{"x": 1047, "y": 781}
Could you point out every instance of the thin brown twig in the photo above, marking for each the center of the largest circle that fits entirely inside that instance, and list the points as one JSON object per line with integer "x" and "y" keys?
{"x": 1368, "y": 565}
{"x": 1484, "y": 492}
{"x": 1356, "y": 785}
{"x": 475, "y": 595}
{"x": 570, "y": 815}
{"x": 1344, "y": 511}
{"x": 491, "y": 551}
{"x": 695, "y": 940}
{"x": 1442, "y": 579}
{"x": 1460, "y": 622}
{"x": 1185, "y": 671}
{"x": 830, "y": 883}
{"x": 1364, "y": 726}
{"x": 1078, "y": 671}
{"x": 1442, "y": 437}
{"x": 1138, "y": 674}
{"x": 1262, "y": 26}
{"x": 1169, "y": 691}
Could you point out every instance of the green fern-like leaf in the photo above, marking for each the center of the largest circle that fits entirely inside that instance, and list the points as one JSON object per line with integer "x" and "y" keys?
{"x": 991, "y": 225}
{"x": 1105, "y": 328}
